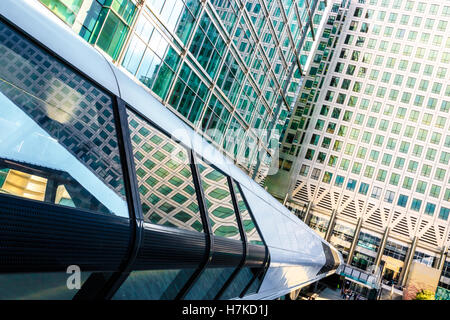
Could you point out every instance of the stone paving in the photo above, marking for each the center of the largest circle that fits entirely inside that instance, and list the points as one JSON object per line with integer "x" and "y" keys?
{"x": 329, "y": 294}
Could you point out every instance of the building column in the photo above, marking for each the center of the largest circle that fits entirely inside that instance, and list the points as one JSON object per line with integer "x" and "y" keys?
{"x": 308, "y": 213}
{"x": 285, "y": 199}
{"x": 444, "y": 254}
{"x": 382, "y": 246}
{"x": 408, "y": 262}
{"x": 355, "y": 240}
{"x": 331, "y": 225}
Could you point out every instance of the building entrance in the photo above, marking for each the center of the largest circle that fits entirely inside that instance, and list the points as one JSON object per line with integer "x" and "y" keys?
{"x": 388, "y": 274}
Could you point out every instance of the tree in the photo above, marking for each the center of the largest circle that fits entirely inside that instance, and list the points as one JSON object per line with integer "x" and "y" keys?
{"x": 424, "y": 295}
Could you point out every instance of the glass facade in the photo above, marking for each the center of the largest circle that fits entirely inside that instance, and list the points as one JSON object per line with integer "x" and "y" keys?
{"x": 444, "y": 281}
{"x": 368, "y": 241}
{"x": 424, "y": 258}
{"x": 362, "y": 261}
{"x": 67, "y": 10}
{"x": 396, "y": 251}
{"x": 228, "y": 71}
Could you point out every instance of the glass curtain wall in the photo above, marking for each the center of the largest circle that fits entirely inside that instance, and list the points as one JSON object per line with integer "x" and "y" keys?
{"x": 245, "y": 58}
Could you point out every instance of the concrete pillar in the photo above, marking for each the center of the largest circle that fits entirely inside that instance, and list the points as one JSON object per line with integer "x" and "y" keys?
{"x": 355, "y": 240}
{"x": 331, "y": 225}
{"x": 382, "y": 246}
{"x": 408, "y": 261}
{"x": 308, "y": 213}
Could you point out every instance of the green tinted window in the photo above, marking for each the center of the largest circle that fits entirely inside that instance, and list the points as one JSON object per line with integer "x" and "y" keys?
{"x": 66, "y": 10}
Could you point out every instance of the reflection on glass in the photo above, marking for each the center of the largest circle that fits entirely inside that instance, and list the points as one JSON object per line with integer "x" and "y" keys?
{"x": 189, "y": 94}
{"x": 215, "y": 119}
{"x": 218, "y": 201}
{"x": 227, "y": 11}
{"x": 111, "y": 25}
{"x": 245, "y": 43}
{"x": 66, "y": 10}
{"x": 165, "y": 181}
{"x": 37, "y": 286}
{"x": 153, "y": 284}
{"x": 56, "y": 128}
{"x": 231, "y": 78}
{"x": 252, "y": 233}
{"x": 45, "y": 184}
{"x": 150, "y": 58}
{"x": 209, "y": 283}
{"x": 113, "y": 33}
{"x": 23, "y": 184}
{"x": 63, "y": 197}
{"x": 177, "y": 16}
{"x": 241, "y": 281}
{"x": 207, "y": 45}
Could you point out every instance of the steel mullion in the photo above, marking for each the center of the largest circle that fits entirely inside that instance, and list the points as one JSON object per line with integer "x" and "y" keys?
{"x": 243, "y": 238}
{"x": 207, "y": 228}
{"x": 132, "y": 192}
{"x": 183, "y": 56}
{"x": 110, "y": 282}
{"x": 131, "y": 32}
{"x": 262, "y": 271}
{"x": 266, "y": 261}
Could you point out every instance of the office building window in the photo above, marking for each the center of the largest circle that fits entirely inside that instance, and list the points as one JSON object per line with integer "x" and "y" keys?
{"x": 376, "y": 192}
{"x": 415, "y": 204}
{"x": 443, "y": 213}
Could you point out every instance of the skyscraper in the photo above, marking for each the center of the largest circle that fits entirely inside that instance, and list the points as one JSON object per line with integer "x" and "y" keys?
{"x": 106, "y": 194}
{"x": 365, "y": 158}
{"x": 228, "y": 68}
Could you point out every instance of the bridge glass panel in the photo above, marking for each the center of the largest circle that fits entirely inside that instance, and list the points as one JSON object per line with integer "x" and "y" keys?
{"x": 249, "y": 226}
{"x": 165, "y": 181}
{"x": 58, "y": 141}
{"x": 39, "y": 286}
{"x": 257, "y": 283}
{"x": 220, "y": 208}
{"x": 241, "y": 281}
{"x": 153, "y": 284}
{"x": 209, "y": 283}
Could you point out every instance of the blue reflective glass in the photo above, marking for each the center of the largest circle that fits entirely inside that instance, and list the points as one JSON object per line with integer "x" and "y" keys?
{"x": 363, "y": 188}
{"x": 430, "y": 208}
{"x": 444, "y": 213}
{"x": 351, "y": 184}
{"x": 402, "y": 200}
{"x": 416, "y": 204}
{"x": 339, "y": 181}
